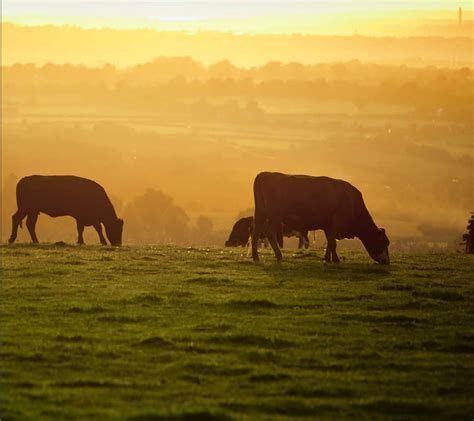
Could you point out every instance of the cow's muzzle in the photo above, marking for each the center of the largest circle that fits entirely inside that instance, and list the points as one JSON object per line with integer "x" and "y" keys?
{"x": 382, "y": 258}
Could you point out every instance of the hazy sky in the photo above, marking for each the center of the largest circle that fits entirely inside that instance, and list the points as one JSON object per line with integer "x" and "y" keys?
{"x": 197, "y": 9}
{"x": 343, "y": 17}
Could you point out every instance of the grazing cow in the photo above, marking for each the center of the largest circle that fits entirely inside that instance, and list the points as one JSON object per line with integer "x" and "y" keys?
{"x": 242, "y": 230}
{"x": 310, "y": 203}
{"x": 66, "y": 195}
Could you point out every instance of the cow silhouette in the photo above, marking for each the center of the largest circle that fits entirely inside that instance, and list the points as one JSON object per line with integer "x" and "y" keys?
{"x": 242, "y": 230}
{"x": 66, "y": 195}
{"x": 310, "y": 203}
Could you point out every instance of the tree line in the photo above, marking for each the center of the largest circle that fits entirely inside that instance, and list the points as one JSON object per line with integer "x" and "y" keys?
{"x": 168, "y": 68}
{"x": 168, "y": 82}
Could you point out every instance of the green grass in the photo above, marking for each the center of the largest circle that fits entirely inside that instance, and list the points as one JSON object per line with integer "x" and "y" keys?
{"x": 172, "y": 333}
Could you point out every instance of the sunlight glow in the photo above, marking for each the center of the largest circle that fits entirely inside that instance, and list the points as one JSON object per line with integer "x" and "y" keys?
{"x": 209, "y": 12}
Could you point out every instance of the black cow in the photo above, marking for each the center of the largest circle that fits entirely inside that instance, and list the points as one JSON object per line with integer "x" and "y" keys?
{"x": 242, "y": 230}
{"x": 310, "y": 203}
{"x": 62, "y": 195}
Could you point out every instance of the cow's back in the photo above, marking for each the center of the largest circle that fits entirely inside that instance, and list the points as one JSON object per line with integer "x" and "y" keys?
{"x": 61, "y": 195}
{"x": 305, "y": 202}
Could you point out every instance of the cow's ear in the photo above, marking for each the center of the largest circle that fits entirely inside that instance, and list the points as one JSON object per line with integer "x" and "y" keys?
{"x": 382, "y": 230}
{"x": 120, "y": 221}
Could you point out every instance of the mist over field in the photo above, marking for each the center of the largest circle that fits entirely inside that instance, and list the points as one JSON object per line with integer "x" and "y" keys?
{"x": 444, "y": 46}
{"x": 174, "y": 136}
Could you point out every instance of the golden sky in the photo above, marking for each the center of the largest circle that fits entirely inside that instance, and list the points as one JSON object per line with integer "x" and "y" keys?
{"x": 257, "y": 16}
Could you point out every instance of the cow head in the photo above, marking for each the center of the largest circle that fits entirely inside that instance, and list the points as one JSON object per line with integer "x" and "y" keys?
{"x": 114, "y": 231}
{"x": 237, "y": 239}
{"x": 378, "y": 248}
{"x": 240, "y": 233}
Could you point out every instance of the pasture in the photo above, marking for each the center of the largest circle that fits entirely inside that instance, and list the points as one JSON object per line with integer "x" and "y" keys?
{"x": 164, "y": 332}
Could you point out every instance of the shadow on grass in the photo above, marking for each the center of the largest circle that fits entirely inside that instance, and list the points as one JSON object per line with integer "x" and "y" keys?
{"x": 153, "y": 342}
{"x": 310, "y": 392}
{"x": 440, "y": 295}
{"x": 262, "y": 356}
{"x": 392, "y": 407}
{"x": 250, "y": 340}
{"x": 149, "y": 299}
{"x": 198, "y": 415}
{"x": 304, "y": 270}
{"x": 396, "y": 287}
{"x": 216, "y": 370}
{"x": 251, "y": 304}
{"x": 36, "y": 357}
{"x": 401, "y": 320}
{"x": 210, "y": 281}
{"x": 90, "y": 384}
{"x": 86, "y": 310}
{"x": 268, "y": 377}
{"x": 123, "y": 319}
{"x": 220, "y": 327}
{"x": 281, "y": 407}
{"x": 72, "y": 339}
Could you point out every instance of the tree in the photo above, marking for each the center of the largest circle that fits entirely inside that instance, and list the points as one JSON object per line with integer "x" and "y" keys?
{"x": 175, "y": 224}
{"x": 154, "y": 218}
{"x": 469, "y": 236}
{"x": 222, "y": 69}
{"x": 204, "y": 231}
{"x": 204, "y": 226}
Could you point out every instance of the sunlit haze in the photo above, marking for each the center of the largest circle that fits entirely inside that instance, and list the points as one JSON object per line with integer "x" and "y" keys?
{"x": 335, "y": 17}
{"x": 179, "y": 104}
{"x": 237, "y": 210}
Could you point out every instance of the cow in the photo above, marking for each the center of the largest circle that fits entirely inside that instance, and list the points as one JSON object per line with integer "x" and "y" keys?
{"x": 66, "y": 195}
{"x": 311, "y": 203}
{"x": 242, "y": 230}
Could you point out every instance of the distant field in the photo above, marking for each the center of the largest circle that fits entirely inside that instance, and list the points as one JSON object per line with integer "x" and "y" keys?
{"x": 173, "y": 333}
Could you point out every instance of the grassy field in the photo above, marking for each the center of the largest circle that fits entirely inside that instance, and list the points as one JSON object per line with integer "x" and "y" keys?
{"x": 173, "y": 333}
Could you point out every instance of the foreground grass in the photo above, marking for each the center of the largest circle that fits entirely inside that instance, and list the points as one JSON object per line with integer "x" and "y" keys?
{"x": 173, "y": 333}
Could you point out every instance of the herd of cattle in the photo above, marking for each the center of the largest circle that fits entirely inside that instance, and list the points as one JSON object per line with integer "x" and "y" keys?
{"x": 285, "y": 205}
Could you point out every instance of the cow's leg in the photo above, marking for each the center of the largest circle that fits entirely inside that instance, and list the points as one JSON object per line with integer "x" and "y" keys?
{"x": 279, "y": 236}
{"x": 335, "y": 258}
{"x": 17, "y": 217}
{"x": 327, "y": 255}
{"x": 257, "y": 230}
{"x": 331, "y": 254}
{"x": 304, "y": 235}
{"x": 80, "y": 231}
{"x": 332, "y": 248}
{"x": 98, "y": 228}
{"x": 272, "y": 234}
{"x": 31, "y": 224}
{"x": 301, "y": 241}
